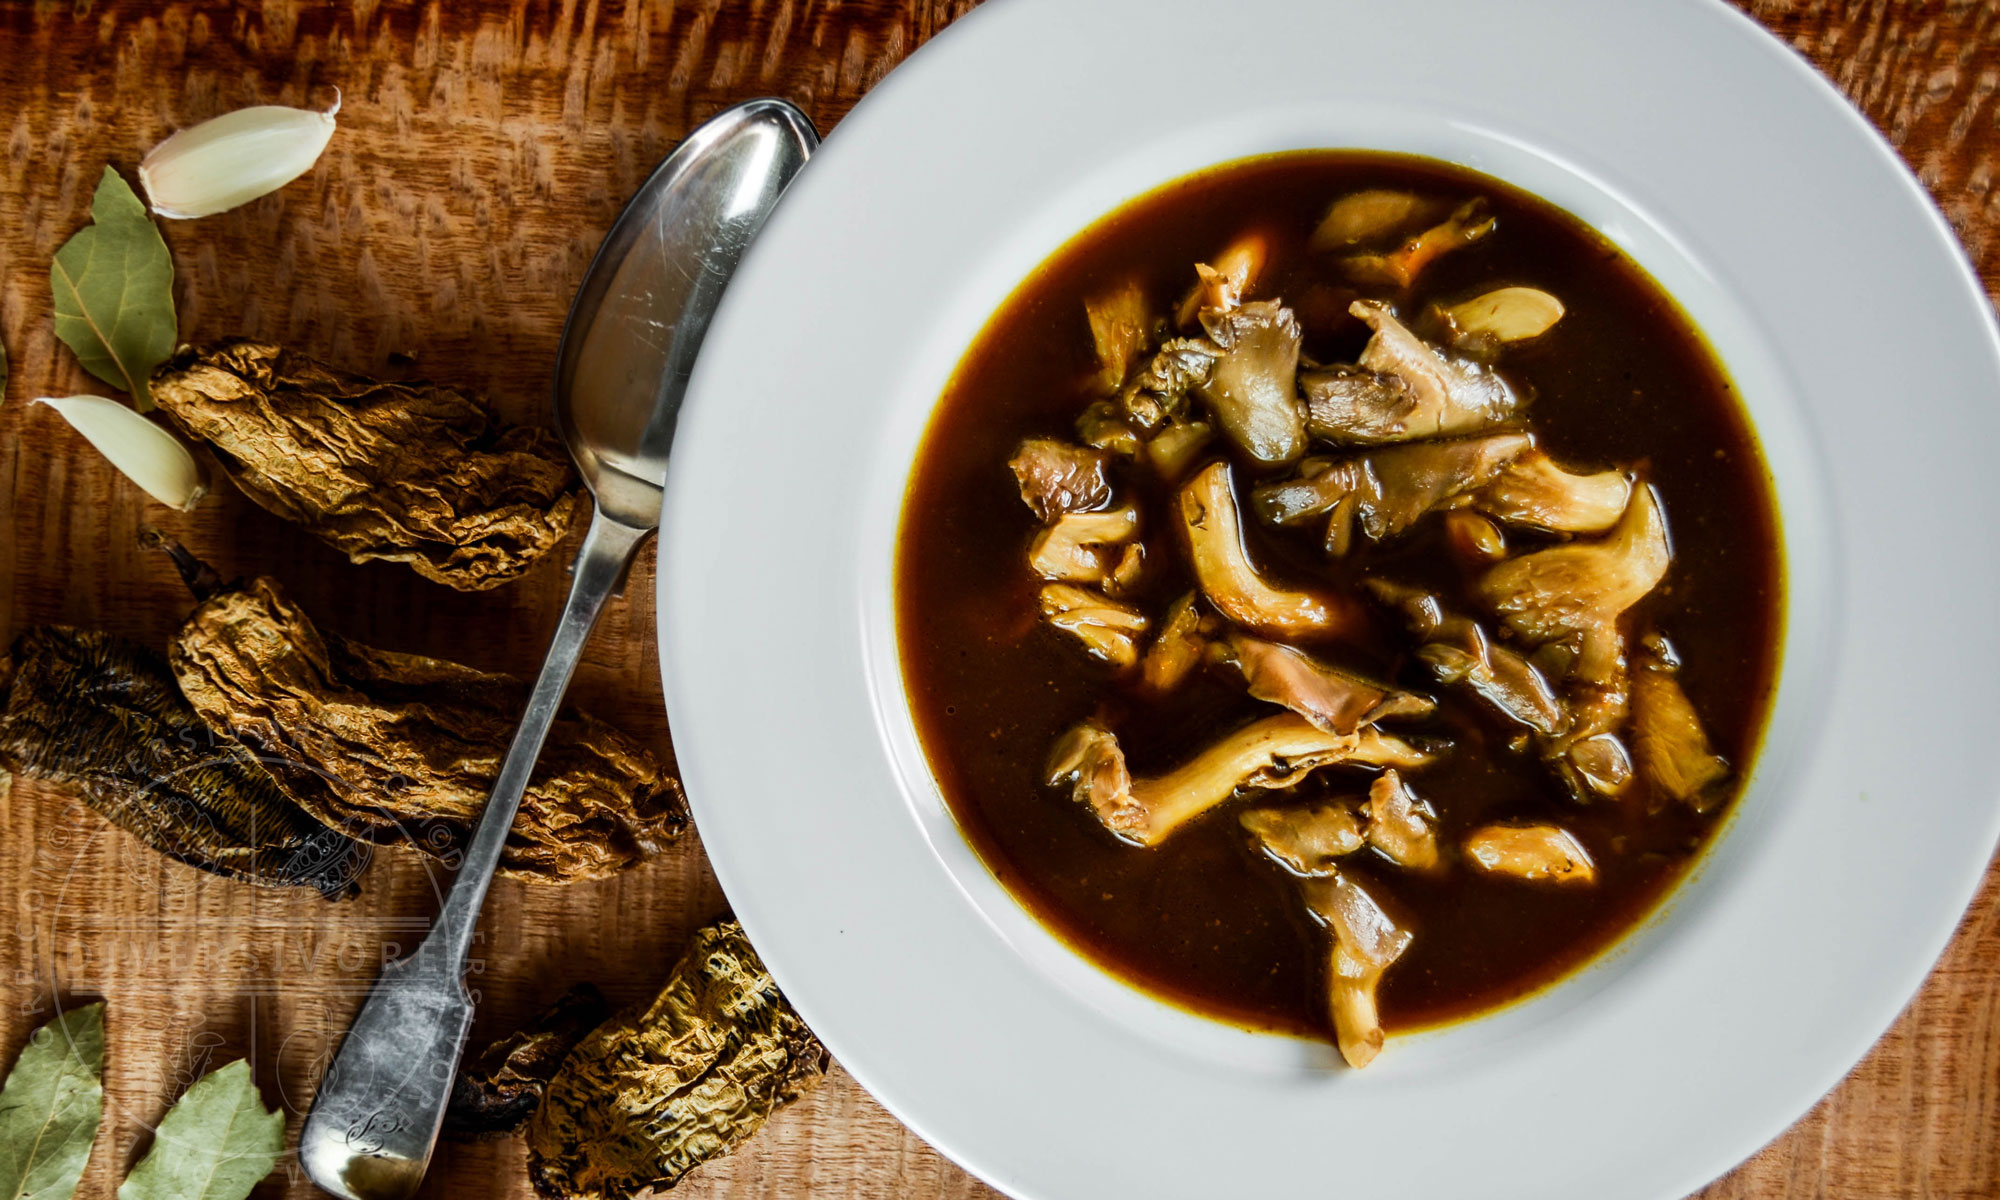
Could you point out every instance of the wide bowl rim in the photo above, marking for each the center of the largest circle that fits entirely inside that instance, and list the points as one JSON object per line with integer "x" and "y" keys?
{"x": 689, "y": 548}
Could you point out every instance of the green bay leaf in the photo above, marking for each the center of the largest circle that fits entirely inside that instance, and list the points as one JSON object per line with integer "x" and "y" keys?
{"x": 216, "y": 1143}
{"x": 50, "y": 1107}
{"x": 114, "y": 291}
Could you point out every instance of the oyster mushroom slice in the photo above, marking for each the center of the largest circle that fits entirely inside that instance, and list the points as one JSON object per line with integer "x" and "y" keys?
{"x": 1252, "y": 388}
{"x": 1535, "y": 853}
{"x": 1078, "y": 546}
{"x": 1305, "y": 841}
{"x": 1224, "y": 284}
{"x": 1348, "y": 406}
{"x": 1177, "y": 650}
{"x": 1057, "y": 478}
{"x": 1536, "y": 493}
{"x": 1579, "y": 589}
{"x": 1401, "y": 827}
{"x": 1334, "y": 700}
{"x": 1667, "y": 737}
{"x": 1400, "y": 267}
{"x": 1443, "y": 395}
{"x": 1120, "y": 326}
{"x": 1367, "y": 941}
{"x": 1385, "y": 492}
{"x": 1222, "y": 567}
{"x": 1108, "y": 629}
{"x": 1459, "y": 653}
{"x": 1276, "y": 752}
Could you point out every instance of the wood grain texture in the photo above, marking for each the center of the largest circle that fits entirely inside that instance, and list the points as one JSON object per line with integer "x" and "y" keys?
{"x": 483, "y": 150}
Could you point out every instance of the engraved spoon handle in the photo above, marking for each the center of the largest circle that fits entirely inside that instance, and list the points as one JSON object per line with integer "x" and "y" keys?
{"x": 377, "y": 1112}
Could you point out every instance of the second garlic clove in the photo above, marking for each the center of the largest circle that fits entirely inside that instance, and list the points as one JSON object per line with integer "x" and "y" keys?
{"x": 147, "y": 454}
{"x": 233, "y": 159}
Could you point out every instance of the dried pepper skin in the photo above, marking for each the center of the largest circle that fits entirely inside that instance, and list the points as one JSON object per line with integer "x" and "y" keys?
{"x": 663, "y": 1087}
{"x": 102, "y": 713}
{"x": 405, "y": 749}
{"x": 409, "y": 472}
{"x": 497, "y": 1091}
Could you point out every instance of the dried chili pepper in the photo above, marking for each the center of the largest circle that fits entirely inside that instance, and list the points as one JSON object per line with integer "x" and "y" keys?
{"x": 410, "y": 472}
{"x": 661, "y": 1088}
{"x": 497, "y": 1090}
{"x": 102, "y": 713}
{"x": 398, "y": 748}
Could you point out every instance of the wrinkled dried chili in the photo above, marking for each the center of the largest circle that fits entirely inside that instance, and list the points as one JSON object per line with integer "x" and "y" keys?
{"x": 403, "y": 749}
{"x": 663, "y": 1087}
{"x": 405, "y": 471}
{"x": 497, "y": 1090}
{"x": 102, "y": 713}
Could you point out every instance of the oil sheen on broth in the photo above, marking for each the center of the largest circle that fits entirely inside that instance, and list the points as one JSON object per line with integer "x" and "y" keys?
{"x": 1620, "y": 391}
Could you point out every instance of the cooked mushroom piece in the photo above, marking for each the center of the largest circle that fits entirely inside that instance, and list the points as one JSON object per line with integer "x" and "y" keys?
{"x": 1401, "y": 827}
{"x": 1222, "y": 567}
{"x": 1367, "y": 216}
{"x": 1120, "y": 326}
{"x": 1534, "y": 492}
{"x": 1080, "y": 546}
{"x": 1177, "y": 445}
{"x": 1579, "y": 589}
{"x": 1458, "y": 652}
{"x": 1058, "y": 478}
{"x": 1667, "y": 736}
{"x": 1108, "y": 629}
{"x": 1160, "y": 388}
{"x": 1536, "y": 853}
{"x": 1349, "y": 406}
{"x": 1402, "y": 390}
{"x": 1103, "y": 425}
{"x": 1252, "y": 390}
{"x": 1332, "y": 699}
{"x": 1224, "y": 284}
{"x": 1366, "y": 942}
{"x": 1276, "y": 752}
{"x": 1177, "y": 650}
{"x": 1123, "y": 576}
{"x": 1387, "y": 491}
{"x": 1401, "y": 266}
{"x": 1304, "y": 841}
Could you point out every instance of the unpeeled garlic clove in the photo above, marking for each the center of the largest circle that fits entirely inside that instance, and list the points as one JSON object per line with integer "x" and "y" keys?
{"x": 147, "y": 454}
{"x": 233, "y": 159}
{"x": 1508, "y": 314}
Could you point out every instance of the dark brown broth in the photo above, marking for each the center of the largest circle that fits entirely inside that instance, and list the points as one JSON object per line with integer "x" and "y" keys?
{"x": 1622, "y": 380}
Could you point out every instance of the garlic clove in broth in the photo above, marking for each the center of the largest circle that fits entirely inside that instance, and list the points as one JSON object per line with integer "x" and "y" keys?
{"x": 234, "y": 158}
{"x": 1508, "y": 314}
{"x": 1364, "y": 217}
{"x": 147, "y": 454}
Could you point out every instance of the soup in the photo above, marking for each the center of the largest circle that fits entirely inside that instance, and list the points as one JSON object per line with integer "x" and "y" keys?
{"x": 1339, "y": 593}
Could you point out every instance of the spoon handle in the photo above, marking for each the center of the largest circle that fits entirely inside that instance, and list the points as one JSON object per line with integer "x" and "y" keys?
{"x": 377, "y": 1112}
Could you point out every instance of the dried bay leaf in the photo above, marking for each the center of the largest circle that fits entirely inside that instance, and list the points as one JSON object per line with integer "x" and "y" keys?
{"x": 663, "y": 1087}
{"x": 50, "y": 1107}
{"x": 497, "y": 1089}
{"x": 403, "y": 472}
{"x": 103, "y": 714}
{"x": 403, "y": 749}
{"x": 114, "y": 291}
{"x": 217, "y": 1142}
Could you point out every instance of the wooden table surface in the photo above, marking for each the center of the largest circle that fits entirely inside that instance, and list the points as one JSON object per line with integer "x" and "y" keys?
{"x": 482, "y": 152}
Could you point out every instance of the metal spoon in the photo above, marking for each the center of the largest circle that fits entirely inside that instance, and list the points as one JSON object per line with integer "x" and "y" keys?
{"x": 621, "y": 372}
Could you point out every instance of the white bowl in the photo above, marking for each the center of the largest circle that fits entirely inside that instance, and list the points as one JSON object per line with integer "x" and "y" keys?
{"x": 1844, "y": 312}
